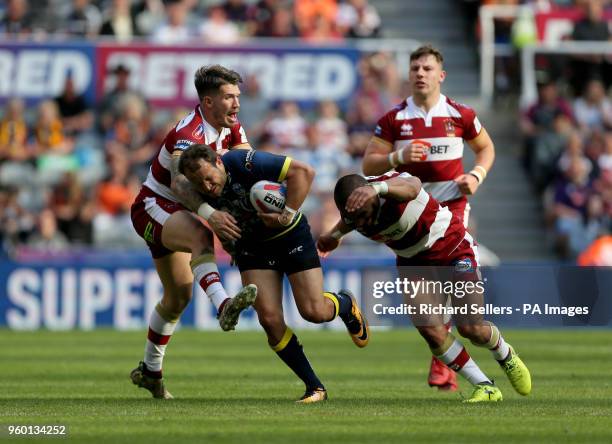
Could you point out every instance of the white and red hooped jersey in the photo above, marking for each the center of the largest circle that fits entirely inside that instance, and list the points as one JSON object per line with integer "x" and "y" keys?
{"x": 443, "y": 129}
{"x": 192, "y": 129}
{"x": 420, "y": 225}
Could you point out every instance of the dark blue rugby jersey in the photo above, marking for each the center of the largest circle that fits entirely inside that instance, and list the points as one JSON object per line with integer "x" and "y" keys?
{"x": 244, "y": 168}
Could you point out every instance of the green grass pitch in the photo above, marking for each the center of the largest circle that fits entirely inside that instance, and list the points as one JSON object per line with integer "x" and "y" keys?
{"x": 230, "y": 387}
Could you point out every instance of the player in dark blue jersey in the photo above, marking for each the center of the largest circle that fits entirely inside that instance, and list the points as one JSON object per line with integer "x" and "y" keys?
{"x": 273, "y": 244}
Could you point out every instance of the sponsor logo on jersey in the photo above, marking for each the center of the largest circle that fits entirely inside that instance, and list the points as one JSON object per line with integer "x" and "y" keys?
{"x": 378, "y": 130}
{"x": 406, "y": 129}
{"x": 438, "y": 149}
{"x": 183, "y": 144}
{"x": 463, "y": 266}
{"x": 198, "y": 133}
{"x": 449, "y": 126}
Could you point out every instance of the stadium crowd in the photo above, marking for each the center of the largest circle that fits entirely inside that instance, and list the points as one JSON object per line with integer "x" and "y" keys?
{"x": 180, "y": 21}
{"x": 568, "y": 140}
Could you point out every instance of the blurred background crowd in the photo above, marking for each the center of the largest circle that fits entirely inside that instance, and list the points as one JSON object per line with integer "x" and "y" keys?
{"x": 180, "y": 21}
{"x": 70, "y": 169}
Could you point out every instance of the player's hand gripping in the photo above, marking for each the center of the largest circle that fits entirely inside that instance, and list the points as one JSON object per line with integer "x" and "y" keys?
{"x": 415, "y": 152}
{"x": 359, "y": 197}
{"x": 224, "y": 225}
{"x": 467, "y": 183}
{"x": 326, "y": 244}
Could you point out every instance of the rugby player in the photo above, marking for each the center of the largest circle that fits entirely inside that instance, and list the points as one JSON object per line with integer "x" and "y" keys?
{"x": 394, "y": 209}
{"x": 166, "y": 214}
{"x": 272, "y": 245}
{"x": 424, "y": 136}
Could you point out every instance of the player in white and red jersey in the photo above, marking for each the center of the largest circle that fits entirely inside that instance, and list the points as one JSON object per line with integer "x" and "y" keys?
{"x": 424, "y": 136}
{"x": 164, "y": 215}
{"x": 395, "y": 209}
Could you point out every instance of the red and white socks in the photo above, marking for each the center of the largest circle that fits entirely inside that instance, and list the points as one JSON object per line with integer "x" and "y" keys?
{"x": 206, "y": 273}
{"x": 496, "y": 344}
{"x": 161, "y": 327}
{"x": 456, "y": 357}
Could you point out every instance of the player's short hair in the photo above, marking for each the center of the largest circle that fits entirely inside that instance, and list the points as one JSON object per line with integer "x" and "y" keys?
{"x": 190, "y": 158}
{"x": 345, "y": 186}
{"x": 208, "y": 79}
{"x": 426, "y": 50}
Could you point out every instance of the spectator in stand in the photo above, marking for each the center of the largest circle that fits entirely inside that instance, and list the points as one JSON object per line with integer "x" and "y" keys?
{"x": 577, "y": 210}
{"x": 14, "y": 133}
{"x": 73, "y": 208}
{"x": 310, "y": 13}
{"x": 593, "y": 110}
{"x": 261, "y": 15}
{"x": 76, "y": 115}
{"x": 603, "y": 184}
{"x": 131, "y": 135}
{"x": 594, "y": 148}
{"x": 288, "y": 128}
{"x": 605, "y": 160}
{"x": 112, "y": 224}
{"x": 358, "y": 19}
{"x": 540, "y": 116}
{"x": 382, "y": 67}
{"x": 83, "y": 19}
{"x": 49, "y": 131}
{"x": 148, "y": 15}
{"x": 218, "y": 29}
{"x": 116, "y": 193}
{"x": 119, "y": 22}
{"x": 281, "y": 25}
{"x": 47, "y": 237}
{"x": 362, "y": 119}
{"x": 592, "y": 28}
{"x": 330, "y": 128}
{"x": 16, "y": 223}
{"x": 253, "y": 107}
{"x": 109, "y": 106}
{"x": 574, "y": 149}
{"x": 545, "y": 126}
{"x": 236, "y": 11}
{"x": 17, "y": 20}
{"x": 175, "y": 29}
{"x": 322, "y": 30}
{"x": 370, "y": 90}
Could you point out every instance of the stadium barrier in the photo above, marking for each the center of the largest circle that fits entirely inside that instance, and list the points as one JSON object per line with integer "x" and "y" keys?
{"x": 551, "y": 26}
{"x": 529, "y": 93}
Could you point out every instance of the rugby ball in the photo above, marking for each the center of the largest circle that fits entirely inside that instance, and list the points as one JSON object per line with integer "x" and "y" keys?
{"x": 268, "y": 197}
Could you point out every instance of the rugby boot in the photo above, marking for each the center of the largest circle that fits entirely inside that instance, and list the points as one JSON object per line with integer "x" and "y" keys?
{"x": 153, "y": 385}
{"x": 231, "y": 309}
